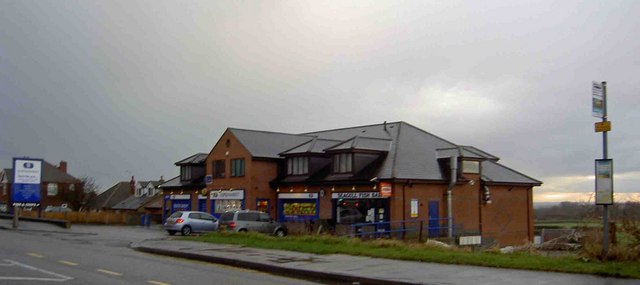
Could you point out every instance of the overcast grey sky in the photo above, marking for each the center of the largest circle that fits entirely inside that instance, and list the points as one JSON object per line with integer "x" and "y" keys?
{"x": 121, "y": 88}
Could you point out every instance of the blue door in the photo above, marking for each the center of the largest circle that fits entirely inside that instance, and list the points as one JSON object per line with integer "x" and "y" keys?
{"x": 202, "y": 205}
{"x": 434, "y": 218}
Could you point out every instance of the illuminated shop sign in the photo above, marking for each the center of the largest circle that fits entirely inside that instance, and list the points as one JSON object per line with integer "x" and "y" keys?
{"x": 357, "y": 195}
{"x": 298, "y": 196}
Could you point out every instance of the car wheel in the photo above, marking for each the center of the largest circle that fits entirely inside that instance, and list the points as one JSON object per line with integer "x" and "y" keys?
{"x": 280, "y": 233}
{"x": 186, "y": 230}
{"x": 242, "y": 230}
{"x": 172, "y": 233}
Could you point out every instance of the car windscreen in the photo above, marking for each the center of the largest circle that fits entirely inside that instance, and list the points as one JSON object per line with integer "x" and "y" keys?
{"x": 176, "y": 215}
{"x": 227, "y": 216}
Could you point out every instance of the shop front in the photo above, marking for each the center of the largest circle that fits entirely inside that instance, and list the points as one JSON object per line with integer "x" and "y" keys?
{"x": 202, "y": 203}
{"x": 361, "y": 207}
{"x": 223, "y": 201}
{"x": 298, "y": 207}
{"x": 174, "y": 203}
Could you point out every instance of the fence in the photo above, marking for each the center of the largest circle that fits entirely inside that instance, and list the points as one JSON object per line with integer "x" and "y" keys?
{"x": 105, "y": 218}
{"x": 407, "y": 229}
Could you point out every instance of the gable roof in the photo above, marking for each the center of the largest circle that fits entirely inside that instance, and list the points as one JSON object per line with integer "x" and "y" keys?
{"x": 133, "y": 202}
{"x": 263, "y": 144}
{"x": 50, "y": 173}
{"x": 112, "y": 196}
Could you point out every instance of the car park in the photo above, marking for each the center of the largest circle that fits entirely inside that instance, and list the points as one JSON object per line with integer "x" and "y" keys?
{"x": 251, "y": 221}
{"x": 187, "y": 222}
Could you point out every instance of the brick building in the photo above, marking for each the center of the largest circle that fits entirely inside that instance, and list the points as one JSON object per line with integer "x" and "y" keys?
{"x": 57, "y": 187}
{"x": 366, "y": 174}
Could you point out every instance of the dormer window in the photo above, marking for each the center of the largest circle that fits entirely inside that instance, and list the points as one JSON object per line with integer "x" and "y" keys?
{"x": 343, "y": 163}
{"x": 471, "y": 166}
{"x": 185, "y": 173}
{"x": 298, "y": 165}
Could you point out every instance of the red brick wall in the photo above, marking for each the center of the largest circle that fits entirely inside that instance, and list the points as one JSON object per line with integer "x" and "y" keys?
{"x": 509, "y": 218}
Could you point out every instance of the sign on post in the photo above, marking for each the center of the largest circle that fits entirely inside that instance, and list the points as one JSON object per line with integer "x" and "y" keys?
{"x": 598, "y": 108}
{"x": 604, "y": 181}
{"x": 27, "y": 175}
{"x": 603, "y": 126}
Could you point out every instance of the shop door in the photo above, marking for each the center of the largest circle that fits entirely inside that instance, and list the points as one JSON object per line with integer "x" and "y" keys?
{"x": 434, "y": 218}
{"x": 202, "y": 205}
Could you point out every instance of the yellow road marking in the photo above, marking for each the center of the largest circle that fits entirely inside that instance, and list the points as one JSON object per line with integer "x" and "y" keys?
{"x": 68, "y": 263}
{"x": 35, "y": 255}
{"x": 109, "y": 272}
{"x": 157, "y": 282}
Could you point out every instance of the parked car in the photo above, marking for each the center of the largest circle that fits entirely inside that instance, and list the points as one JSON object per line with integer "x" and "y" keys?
{"x": 57, "y": 209}
{"x": 187, "y": 222}
{"x": 254, "y": 221}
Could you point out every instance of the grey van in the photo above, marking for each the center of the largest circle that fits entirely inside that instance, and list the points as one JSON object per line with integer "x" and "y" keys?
{"x": 254, "y": 221}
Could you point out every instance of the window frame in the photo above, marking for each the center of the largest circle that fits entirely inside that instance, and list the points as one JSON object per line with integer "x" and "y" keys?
{"x": 342, "y": 163}
{"x": 52, "y": 187}
{"x": 216, "y": 167}
{"x": 298, "y": 165}
{"x": 237, "y": 167}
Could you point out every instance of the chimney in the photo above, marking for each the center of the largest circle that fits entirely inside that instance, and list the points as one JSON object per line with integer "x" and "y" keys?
{"x": 63, "y": 166}
{"x": 132, "y": 186}
{"x": 161, "y": 179}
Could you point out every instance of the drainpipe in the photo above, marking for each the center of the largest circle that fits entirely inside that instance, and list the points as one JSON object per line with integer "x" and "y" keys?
{"x": 453, "y": 162}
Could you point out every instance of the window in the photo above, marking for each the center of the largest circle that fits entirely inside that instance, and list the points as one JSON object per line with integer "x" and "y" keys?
{"x": 264, "y": 217}
{"x": 185, "y": 173}
{"x": 237, "y": 167}
{"x": 250, "y": 216}
{"x": 52, "y": 189}
{"x": 72, "y": 187}
{"x": 4, "y": 189}
{"x": 470, "y": 166}
{"x": 297, "y": 165}
{"x": 342, "y": 163}
{"x": 218, "y": 168}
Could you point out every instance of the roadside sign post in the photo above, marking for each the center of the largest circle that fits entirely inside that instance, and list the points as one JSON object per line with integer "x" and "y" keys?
{"x": 604, "y": 166}
{"x": 25, "y": 189}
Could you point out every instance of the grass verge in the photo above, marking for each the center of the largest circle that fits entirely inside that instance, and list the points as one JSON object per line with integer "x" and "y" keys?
{"x": 392, "y": 249}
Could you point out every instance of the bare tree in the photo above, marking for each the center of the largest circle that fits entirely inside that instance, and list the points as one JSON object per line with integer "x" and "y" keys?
{"x": 84, "y": 195}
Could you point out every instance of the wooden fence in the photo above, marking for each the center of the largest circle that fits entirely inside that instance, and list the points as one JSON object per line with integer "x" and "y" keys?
{"x": 104, "y": 218}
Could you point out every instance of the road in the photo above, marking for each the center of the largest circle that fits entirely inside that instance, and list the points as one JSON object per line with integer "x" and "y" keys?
{"x": 40, "y": 254}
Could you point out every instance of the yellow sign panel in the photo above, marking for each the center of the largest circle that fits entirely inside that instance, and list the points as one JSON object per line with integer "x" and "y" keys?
{"x": 603, "y": 126}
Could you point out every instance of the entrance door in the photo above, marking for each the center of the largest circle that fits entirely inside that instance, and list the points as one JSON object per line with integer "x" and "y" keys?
{"x": 434, "y": 218}
{"x": 202, "y": 205}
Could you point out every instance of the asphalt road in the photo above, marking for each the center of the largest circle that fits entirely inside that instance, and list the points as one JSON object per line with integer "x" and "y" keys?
{"x": 101, "y": 255}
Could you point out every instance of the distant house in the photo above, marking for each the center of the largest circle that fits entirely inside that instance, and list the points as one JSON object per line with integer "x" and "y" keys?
{"x": 56, "y": 188}
{"x": 116, "y": 195}
{"x": 144, "y": 201}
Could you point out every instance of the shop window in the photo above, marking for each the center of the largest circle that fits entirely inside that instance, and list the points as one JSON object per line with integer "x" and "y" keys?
{"x": 237, "y": 167}
{"x": 470, "y": 166}
{"x": 343, "y": 163}
{"x": 52, "y": 189}
{"x": 222, "y": 206}
{"x": 262, "y": 205}
{"x": 299, "y": 210}
{"x": 297, "y": 165}
{"x": 219, "y": 168}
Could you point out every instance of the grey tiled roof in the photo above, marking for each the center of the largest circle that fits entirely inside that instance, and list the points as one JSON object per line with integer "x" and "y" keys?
{"x": 498, "y": 173}
{"x": 315, "y": 145}
{"x": 50, "y": 173}
{"x": 197, "y": 158}
{"x": 175, "y": 182}
{"x": 133, "y": 203}
{"x": 363, "y": 143}
{"x": 268, "y": 144}
{"x": 112, "y": 196}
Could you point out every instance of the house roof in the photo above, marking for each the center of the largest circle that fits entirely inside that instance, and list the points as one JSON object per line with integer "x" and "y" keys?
{"x": 497, "y": 173}
{"x": 197, "y": 158}
{"x": 409, "y": 152}
{"x": 263, "y": 144}
{"x": 133, "y": 203}
{"x": 112, "y": 196}
{"x": 155, "y": 183}
{"x": 175, "y": 182}
{"x": 50, "y": 173}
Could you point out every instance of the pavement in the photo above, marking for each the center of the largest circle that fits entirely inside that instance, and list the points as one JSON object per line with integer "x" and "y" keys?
{"x": 342, "y": 269}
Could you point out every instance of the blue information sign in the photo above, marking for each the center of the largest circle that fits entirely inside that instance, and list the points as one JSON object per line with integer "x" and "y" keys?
{"x": 27, "y": 175}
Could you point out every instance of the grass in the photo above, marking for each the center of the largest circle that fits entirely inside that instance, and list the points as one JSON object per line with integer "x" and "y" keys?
{"x": 392, "y": 249}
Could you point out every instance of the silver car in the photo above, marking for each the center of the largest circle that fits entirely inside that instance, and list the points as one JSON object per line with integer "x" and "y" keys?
{"x": 187, "y": 222}
{"x": 254, "y": 221}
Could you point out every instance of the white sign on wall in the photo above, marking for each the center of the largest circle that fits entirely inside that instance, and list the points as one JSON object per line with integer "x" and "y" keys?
{"x": 357, "y": 195}
{"x": 227, "y": 195}
{"x": 298, "y": 196}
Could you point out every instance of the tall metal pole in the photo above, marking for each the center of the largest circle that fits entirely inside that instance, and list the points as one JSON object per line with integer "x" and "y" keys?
{"x": 605, "y": 155}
